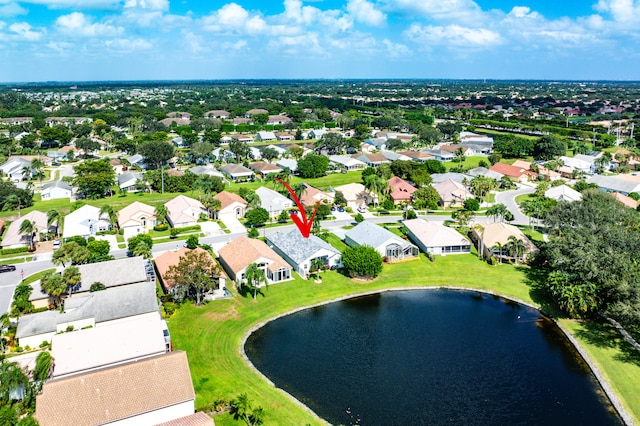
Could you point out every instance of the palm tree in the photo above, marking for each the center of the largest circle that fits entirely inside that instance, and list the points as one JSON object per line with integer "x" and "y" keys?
{"x": 53, "y": 216}
{"x": 212, "y": 204}
{"x": 497, "y": 211}
{"x": 112, "y": 217}
{"x": 12, "y": 202}
{"x": 516, "y": 248}
{"x": 376, "y": 184}
{"x": 71, "y": 278}
{"x": 497, "y": 247}
{"x": 52, "y": 284}
{"x": 255, "y": 276}
{"x": 161, "y": 213}
{"x": 142, "y": 249}
{"x": 29, "y": 229}
{"x": 480, "y": 232}
{"x": 299, "y": 189}
{"x": 317, "y": 265}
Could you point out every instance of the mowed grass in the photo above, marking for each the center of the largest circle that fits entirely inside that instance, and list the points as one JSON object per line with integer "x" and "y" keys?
{"x": 212, "y": 334}
{"x": 469, "y": 163}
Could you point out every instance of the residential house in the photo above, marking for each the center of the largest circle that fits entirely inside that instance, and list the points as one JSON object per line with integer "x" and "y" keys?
{"x": 95, "y": 309}
{"x": 310, "y": 196}
{"x": 279, "y": 149}
{"x": 184, "y": 211}
{"x": 436, "y": 238}
{"x": 108, "y": 273}
{"x": 316, "y": 133}
{"x": 452, "y": 193}
{"x": 85, "y": 222}
{"x": 222, "y": 154}
{"x": 14, "y": 168}
{"x": 390, "y": 246}
{"x": 441, "y": 155}
{"x": 418, "y": 156}
{"x": 576, "y": 165}
{"x": 615, "y": 184}
{"x": 456, "y": 177}
{"x": 245, "y": 138}
{"x": 179, "y": 142}
{"x": 264, "y": 136}
{"x": 346, "y": 163}
{"x": 236, "y": 256}
{"x": 477, "y": 149}
{"x": 395, "y": 156}
{"x": 495, "y": 236}
{"x": 136, "y": 218}
{"x": 278, "y": 119}
{"x": 216, "y": 113}
{"x": 255, "y": 111}
{"x": 357, "y": 195}
{"x": 563, "y": 193}
{"x": 93, "y": 348}
{"x": 400, "y": 190}
{"x": 66, "y": 121}
{"x": 172, "y": 258}
{"x": 288, "y": 163}
{"x": 371, "y": 160}
{"x": 475, "y": 139}
{"x": 273, "y": 202}
{"x": 237, "y": 172}
{"x": 137, "y": 160}
{"x": 454, "y": 149}
{"x": 284, "y": 136}
{"x": 56, "y": 189}
{"x": 145, "y": 392}
{"x": 241, "y": 120}
{"x": 377, "y": 143}
{"x": 483, "y": 171}
{"x": 517, "y": 174}
{"x": 232, "y": 206}
{"x": 207, "y": 170}
{"x": 264, "y": 168}
{"x": 537, "y": 170}
{"x": 127, "y": 181}
{"x": 255, "y": 152}
{"x": 13, "y": 238}
{"x": 299, "y": 251}
{"x": 624, "y": 200}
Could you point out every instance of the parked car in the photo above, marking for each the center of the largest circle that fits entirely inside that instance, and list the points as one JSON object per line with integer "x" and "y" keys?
{"x": 362, "y": 209}
{"x": 56, "y": 244}
{"x": 7, "y": 268}
{"x": 341, "y": 209}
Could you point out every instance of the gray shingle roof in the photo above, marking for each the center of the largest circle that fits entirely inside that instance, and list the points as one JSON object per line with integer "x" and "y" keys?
{"x": 127, "y": 176}
{"x": 57, "y": 184}
{"x": 369, "y": 234}
{"x": 456, "y": 177}
{"x": 298, "y": 248}
{"x": 612, "y": 183}
{"x": 105, "y": 305}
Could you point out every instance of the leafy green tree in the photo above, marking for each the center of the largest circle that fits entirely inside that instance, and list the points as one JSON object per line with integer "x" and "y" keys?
{"x": 97, "y": 286}
{"x": 332, "y": 143}
{"x": 87, "y": 145}
{"x": 136, "y": 240}
{"x": 194, "y": 275}
{"x": 240, "y": 149}
{"x": 471, "y": 204}
{"x": 283, "y": 216}
{"x": 201, "y": 150}
{"x": 98, "y": 251}
{"x": 462, "y": 217}
{"x": 358, "y": 218}
{"x": 94, "y": 178}
{"x": 256, "y": 217}
{"x": 449, "y": 128}
{"x": 156, "y": 153}
{"x": 362, "y": 262}
{"x": 362, "y": 132}
{"x": 549, "y": 147}
{"x": 269, "y": 154}
{"x": 52, "y": 284}
{"x": 313, "y": 166}
{"x": 253, "y": 233}
{"x": 192, "y": 242}
{"x": 426, "y": 198}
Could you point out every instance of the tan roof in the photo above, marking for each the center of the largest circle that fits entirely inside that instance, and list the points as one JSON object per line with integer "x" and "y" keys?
{"x": 116, "y": 393}
{"x": 243, "y": 251}
{"x": 500, "y": 232}
{"x": 227, "y": 198}
{"x": 453, "y": 148}
{"x": 195, "y": 419}
{"x": 312, "y": 195}
{"x": 183, "y": 209}
{"x": 13, "y": 235}
{"x": 626, "y": 201}
{"x": 416, "y": 154}
{"x": 263, "y": 167}
{"x": 170, "y": 258}
{"x": 174, "y": 172}
{"x": 134, "y": 211}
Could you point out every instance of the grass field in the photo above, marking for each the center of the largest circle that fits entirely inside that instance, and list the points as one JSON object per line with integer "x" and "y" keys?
{"x": 212, "y": 334}
{"x": 469, "y": 163}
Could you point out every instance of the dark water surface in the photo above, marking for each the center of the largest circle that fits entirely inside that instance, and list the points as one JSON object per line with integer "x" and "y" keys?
{"x": 436, "y": 357}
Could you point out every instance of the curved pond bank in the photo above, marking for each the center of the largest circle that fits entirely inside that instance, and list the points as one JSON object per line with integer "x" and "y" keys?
{"x": 468, "y": 378}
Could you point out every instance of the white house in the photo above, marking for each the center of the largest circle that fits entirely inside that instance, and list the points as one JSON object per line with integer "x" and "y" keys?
{"x": 435, "y": 238}
{"x": 316, "y": 133}
{"x": 389, "y": 245}
{"x": 184, "y": 211}
{"x": 56, "y": 189}
{"x": 346, "y": 162}
{"x": 299, "y": 252}
{"x": 266, "y": 136}
{"x": 563, "y": 193}
{"x": 85, "y": 222}
{"x": 232, "y": 206}
{"x": 13, "y": 168}
{"x": 127, "y": 181}
{"x": 273, "y": 202}
{"x": 357, "y": 195}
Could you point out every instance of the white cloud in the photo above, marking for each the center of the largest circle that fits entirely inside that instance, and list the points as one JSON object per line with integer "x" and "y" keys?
{"x": 12, "y": 9}
{"x": 461, "y": 11}
{"x": 523, "y": 12}
{"x": 365, "y": 12}
{"x": 623, "y": 11}
{"x": 396, "y": 50}
{"x": 79, "y": 24}
{"x": 128, "y": 45}
{"x": 76, "y": 4}
{"x": 147, "y": 4}
{"x": 60, "y": 47}
{"x": 23, "y": 29}
{"x": 452, "y": 35}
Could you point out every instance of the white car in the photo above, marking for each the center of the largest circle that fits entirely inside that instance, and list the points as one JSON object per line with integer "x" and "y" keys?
{"x": 362, "y": 209}
{"x": 56, "y": 244}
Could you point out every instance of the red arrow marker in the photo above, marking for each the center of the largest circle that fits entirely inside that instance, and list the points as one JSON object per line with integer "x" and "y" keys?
{"x": 303, "y": 225}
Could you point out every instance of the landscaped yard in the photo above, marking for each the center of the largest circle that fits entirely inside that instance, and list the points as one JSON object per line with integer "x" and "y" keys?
{"x": 212, "y": 334}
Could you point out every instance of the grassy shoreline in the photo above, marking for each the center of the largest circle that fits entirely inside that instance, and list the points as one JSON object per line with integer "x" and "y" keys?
{"x": 213, "y": 334}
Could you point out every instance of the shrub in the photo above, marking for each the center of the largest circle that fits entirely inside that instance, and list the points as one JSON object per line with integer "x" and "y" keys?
{"x": 169, "y": 309}
{"x": 192, "y": 242}
{"x": 69, "y": 328}
{"x": 348, "y": 209}
{"x": 253, "y": 233}
{"x": 359, "y": 218}
{"x": 19, "y": 349}
{"x": 387, "y": 205}
{"x": 430, "y": 256}
{"x": 44, "y": 344}
{"x": 160, "y": 228}
{"x": 14, "y": 250}
{"x": 471, "y": 204}
{"x": 362, "y": 261}
{"x": 97, "y": 286}
{"x": 492, "y": 261}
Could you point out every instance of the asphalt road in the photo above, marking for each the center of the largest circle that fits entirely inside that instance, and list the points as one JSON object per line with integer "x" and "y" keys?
{"x": 508, "y": 198}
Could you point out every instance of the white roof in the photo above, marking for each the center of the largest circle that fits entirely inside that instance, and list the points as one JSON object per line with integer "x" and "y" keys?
{"x": 183, "y": 209}
{"x": 134, "y": 212}
{"x": 79, "y": 221}
{"x": 272, "y": 201}
{"x": 101, "y": 346}
{"x": 432, "y": 234}
{"x": 346, "y": 160}
{"x": 563, "y": 193}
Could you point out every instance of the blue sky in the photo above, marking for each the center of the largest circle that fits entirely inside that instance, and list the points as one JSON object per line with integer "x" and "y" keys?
{"x": 78, "y": 40}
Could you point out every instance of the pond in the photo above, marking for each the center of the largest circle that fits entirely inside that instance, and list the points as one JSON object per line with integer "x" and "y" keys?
{"x": 437, "y": 357}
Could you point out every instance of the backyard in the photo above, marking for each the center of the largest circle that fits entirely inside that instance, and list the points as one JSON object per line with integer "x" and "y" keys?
{"x": 212, "y": 334}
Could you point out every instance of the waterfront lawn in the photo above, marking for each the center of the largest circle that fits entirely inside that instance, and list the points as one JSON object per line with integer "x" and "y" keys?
{"x": 212, "y": 334}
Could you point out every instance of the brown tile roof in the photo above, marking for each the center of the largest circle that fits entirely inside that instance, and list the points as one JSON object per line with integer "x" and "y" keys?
{"x": 626, "y": 201}
{"x": 195, "y": 419}
{"x": 243, "y": 251}
{"x": 114, "y": 162}
{"x": 453, "y": 148}
{"x": 401, "y": 190}
{"x": 170, "y": 258}
{"x": 416, "y": 154}
{"x": 509, "y": 170}
{"x": 264, "y": 167}
{"x": 174, "y": 172}
{"x": 312, "y": 195}
{"x": 116, "y": 393}
{"x": 227, "y": 198}
{"x": 376, "y": 158}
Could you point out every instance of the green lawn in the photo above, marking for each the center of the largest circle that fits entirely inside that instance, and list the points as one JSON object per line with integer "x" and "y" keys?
{"x": 524, "y": 197}
{"x": 469, "y": 163}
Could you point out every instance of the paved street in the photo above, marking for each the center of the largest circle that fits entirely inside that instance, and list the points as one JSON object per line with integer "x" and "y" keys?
{"x": 508, "y": 198}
